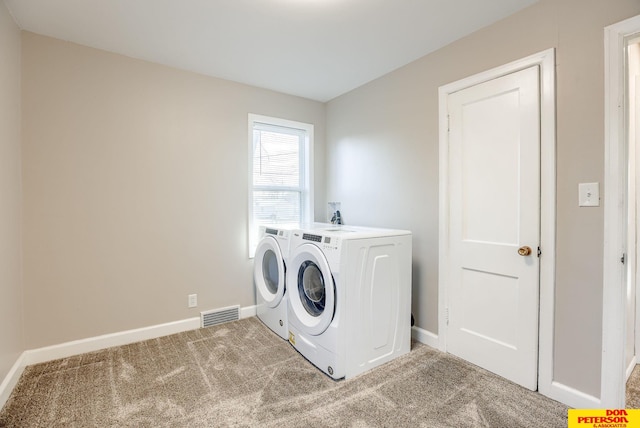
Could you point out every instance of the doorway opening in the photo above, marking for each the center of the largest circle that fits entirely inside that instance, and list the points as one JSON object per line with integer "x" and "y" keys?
{"x": 620, "y": 202}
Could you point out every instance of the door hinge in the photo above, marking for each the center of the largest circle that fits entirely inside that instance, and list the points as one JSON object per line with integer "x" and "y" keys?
{"x": 446, "y": 315}
{"x": 448, "y": 123}
{"x": 539, "y": 252}
{"x": 623, "y": 258}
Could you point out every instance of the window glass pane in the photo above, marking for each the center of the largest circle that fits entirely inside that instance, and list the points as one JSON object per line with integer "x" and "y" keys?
{"x": 276, "y": 207}
{"x": 280, "y": 188}
{"x": 276, "y": 159}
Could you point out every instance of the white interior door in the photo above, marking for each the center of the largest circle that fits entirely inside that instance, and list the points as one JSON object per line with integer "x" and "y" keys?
{"x": 494, "y": 221}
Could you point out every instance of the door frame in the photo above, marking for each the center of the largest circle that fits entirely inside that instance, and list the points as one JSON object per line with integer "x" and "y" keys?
{"x": 546, "y": 62}
{"x": 613, "y": 380}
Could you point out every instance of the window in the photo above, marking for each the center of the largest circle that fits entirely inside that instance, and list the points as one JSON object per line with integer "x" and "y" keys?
{"x": 280, "y": 173}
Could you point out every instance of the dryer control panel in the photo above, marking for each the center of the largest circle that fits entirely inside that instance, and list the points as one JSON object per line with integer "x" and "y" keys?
{"x": 326, "y": 242}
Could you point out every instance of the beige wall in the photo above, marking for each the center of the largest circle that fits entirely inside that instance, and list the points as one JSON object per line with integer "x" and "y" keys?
{"x": 11, "y": 331}
{"x": 135, "y": 189}
{"x": 382, "y": 160}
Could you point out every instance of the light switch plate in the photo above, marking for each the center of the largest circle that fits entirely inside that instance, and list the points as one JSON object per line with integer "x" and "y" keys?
{"x": 589, "y": 194}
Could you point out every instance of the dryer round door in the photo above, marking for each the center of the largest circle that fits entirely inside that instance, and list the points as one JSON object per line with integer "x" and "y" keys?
{"x": 311, "y": 289}
{"x": 269, "y": 271}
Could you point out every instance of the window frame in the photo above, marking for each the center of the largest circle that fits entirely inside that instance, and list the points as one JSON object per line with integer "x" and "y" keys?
{"x": 306, "y": 172}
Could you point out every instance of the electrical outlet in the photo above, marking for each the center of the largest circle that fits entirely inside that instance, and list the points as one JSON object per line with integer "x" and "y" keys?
{"x": 193, "y": 300}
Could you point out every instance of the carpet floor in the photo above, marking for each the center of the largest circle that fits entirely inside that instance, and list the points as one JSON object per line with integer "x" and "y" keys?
{"x": 240, "y": 374}
{"x": 632, "y": 398}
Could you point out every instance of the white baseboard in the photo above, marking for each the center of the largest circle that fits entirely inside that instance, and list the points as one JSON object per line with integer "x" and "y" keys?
{"x": 248, "y": 311}
{"x": 570, "y": 396}
{"x": 11, "y": 379}
{"x": 631, "y": 366}
{"x": 91, "y": 344}
{"x": 75, "y": 347}
{"x": 424, "y": 336}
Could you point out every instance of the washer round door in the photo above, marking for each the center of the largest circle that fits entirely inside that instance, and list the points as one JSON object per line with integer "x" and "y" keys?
{"x": 311, "y": 289}
{"x": 269, "y": 271}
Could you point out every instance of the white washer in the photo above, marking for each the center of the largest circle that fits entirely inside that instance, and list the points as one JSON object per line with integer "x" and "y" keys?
{"x": 349, "y": 296}
{"x": 269, "y": 277}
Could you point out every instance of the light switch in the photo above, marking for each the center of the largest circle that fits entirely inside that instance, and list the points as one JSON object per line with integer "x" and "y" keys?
{"x": 589, "y": 194}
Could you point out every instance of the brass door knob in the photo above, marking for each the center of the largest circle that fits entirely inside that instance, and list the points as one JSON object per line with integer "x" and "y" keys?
{"x": 524, "y": 251}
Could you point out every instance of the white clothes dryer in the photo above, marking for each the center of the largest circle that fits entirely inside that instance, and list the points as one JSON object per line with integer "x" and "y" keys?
{"x": 269, "y": 277}
{"x": 349, "y": 296}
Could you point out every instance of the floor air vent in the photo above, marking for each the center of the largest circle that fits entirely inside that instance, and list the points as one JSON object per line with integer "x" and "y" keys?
{"x": 219, "y": 316}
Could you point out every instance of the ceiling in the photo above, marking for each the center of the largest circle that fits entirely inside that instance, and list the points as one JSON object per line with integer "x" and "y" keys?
{"x": 316, "y": 49}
